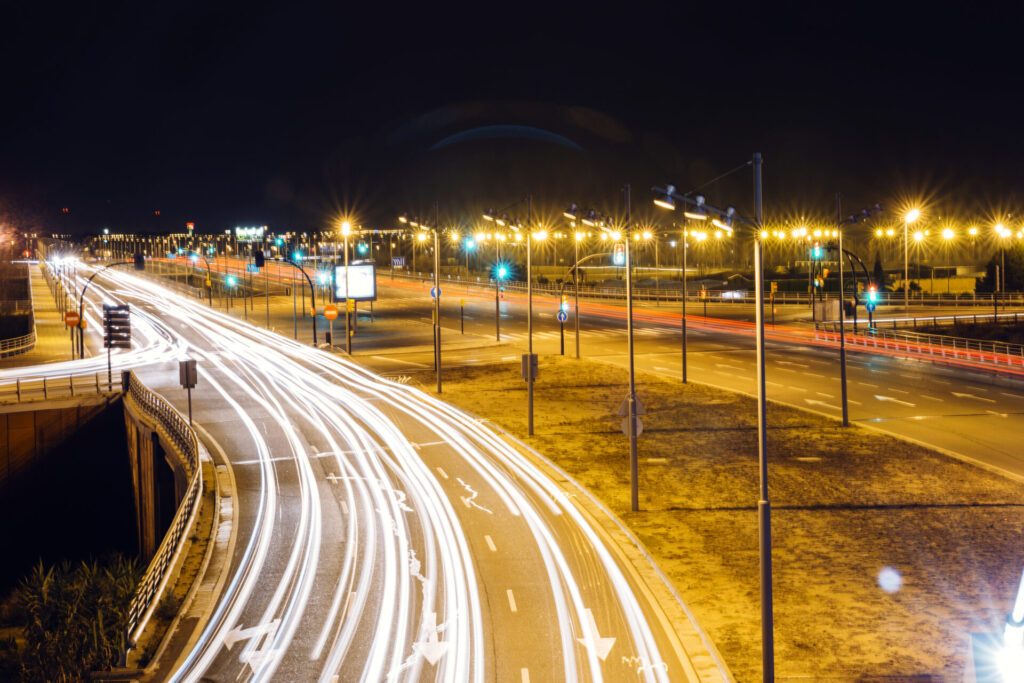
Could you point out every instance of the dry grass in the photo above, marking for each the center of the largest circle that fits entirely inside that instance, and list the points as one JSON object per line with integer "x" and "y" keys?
{"x": 846, "y": 504}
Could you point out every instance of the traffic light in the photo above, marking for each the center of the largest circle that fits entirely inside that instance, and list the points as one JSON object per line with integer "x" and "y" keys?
{"x": 117, "y": 328}
{"x": 280, "y": 241}
{"x": 619, "y": 255}
{"x": 257, "y": 256}
{"x": 872, "y": 298}
{"x": 140, "y": 262}
{"x": 816, "y": 252}
{"x": 363, "y": 248}
{"x": 565, "y": 303}
{"x": 501, "y": 271}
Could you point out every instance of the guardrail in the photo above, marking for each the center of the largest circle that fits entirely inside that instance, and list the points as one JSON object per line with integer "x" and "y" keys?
{"x": 16, "y": 345}
{"x": 15, "y": 306}
{"x": 939, "y": 320}
{"x": 932, "y": 345}
{"x": 64, "y": 386}
{"x": 157, "y": 573}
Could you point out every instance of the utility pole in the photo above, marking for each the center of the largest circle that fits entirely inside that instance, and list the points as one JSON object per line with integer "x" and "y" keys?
{"x": 529, "y": 312}
{"x": 842, "y": 314}
{"x": 437, "y": 296}
{"x": 634, "y": 493}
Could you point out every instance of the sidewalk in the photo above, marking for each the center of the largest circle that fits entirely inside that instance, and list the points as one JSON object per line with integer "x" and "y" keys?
{"x": 53, "y": 340}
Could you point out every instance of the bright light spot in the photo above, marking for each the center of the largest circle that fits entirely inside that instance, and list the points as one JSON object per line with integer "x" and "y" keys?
{"x": 890, "y": 580}
{"x": 1010, "y": 659}
{"x": 580, "y": 236}
{"x": 918, "y": 236}
{"x": 947, "y": 233}
{"x": 636, "y": 237}
{"x": 890, "y": 232}
{"x": 647, "y": 235}
{"x": 817, "y": 233}
{"x": 481, "y": 236}
{"x": 421, "y": 237}
{"x": 231, "y": 280}
{"x": 616, "y": 235}
{"x": 972, "y": 231}
{"x": 470, "y": 244}
{"x": 718, "y": 234}
{"x": 540, "y": 235}
{"x": 912, "y": 215}
{"x": 764, "y": 234}
{"x": 672, "y": 244}
{"x": 346, "y": 228}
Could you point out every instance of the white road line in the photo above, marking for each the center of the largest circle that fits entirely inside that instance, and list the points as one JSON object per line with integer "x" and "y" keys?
{"x": 442, "y": 472}
{"x": 821, "y": 393}
{"x": 898, "y": 391}
{"x": 490, "y": 543}
{"x": 512, "y": 601}
{"x": 931, "y": 398}
{"x": 995, "y": 413}
{"x": 1011, "y": 395}
{"x": 856, "y": 403}
{"x": 797, "y": 388}
{"x": 865, "y": 384}
{"x": 525, "y": 673}
{"x": 774, "y": 384}
{"x": 814, "y": 374}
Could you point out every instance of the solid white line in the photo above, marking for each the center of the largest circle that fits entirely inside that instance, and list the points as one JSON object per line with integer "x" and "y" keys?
{"x": 490, "y": 543}
{"x": 512, "y": 601}
{"x": 525, "y": 673}
{"x": 865, "y": 384}
{"x": 442, "y": 472}
{"x": 821, "y": 393}
{"x": 814, "y": 374}
{"x": 899, "y": 391}
{"x": 931, "y": 398}
{"x": 797, "y": 388}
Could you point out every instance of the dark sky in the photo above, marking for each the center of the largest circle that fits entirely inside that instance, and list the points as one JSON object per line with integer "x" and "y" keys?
{"x": 230, "y": 114}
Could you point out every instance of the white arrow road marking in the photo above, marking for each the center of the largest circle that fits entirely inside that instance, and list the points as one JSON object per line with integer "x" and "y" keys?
{"x": 433, "y": 649}
{"x": 236, "y": 634}
{"x": 470, "y": 502}
{"x": 894, "y": 400}
{"x": 591, "y": 640}
{"x": 979, "y": 398}
{"x": 816, "y": 402}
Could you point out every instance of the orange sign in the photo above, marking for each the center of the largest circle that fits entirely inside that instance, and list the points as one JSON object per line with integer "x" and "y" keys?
{"x": 312, "y": 311}
{"x": 330, "y": 311}
{"x": 71, "y": 318}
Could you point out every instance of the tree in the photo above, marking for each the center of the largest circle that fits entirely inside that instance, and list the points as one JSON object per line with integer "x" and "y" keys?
{"x": 1014, "y": 276}
{"x": 878, "y": 273}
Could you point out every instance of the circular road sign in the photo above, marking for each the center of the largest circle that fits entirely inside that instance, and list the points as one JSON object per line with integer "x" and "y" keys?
{"x": 330, "y": 311}
{"x": 71, "y": 318}
{"x": 434, "y": 291}
{"x": 562, "y": 316}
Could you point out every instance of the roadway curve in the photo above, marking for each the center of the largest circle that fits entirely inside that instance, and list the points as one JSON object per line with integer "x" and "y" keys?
{"x": 381, "y": 533}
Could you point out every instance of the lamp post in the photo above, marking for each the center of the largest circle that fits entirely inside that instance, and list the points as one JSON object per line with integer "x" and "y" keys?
{"x": 1003, "y": 232}
{"x": 763, "y": 505}
{"x": 346, "y": 230}
{"x": 911, "y": 216}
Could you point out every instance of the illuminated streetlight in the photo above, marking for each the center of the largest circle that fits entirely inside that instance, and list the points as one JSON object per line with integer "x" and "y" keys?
{"x": 911, "y": 216}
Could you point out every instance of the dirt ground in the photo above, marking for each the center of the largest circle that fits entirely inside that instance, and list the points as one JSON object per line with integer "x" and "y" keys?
{"x": 887, "y": 556}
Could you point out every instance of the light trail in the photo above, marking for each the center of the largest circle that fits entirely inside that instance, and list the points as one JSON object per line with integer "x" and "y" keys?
{"x": 393, "y": 592}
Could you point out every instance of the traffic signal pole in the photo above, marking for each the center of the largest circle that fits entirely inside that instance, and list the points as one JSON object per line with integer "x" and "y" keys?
{"x": 842, "y": 316}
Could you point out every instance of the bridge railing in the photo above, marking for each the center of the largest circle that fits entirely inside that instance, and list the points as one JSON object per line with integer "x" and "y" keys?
{"x": 158, "y": 572}
{"x": 936, "y": 346}
{"x": 16, "y": 345}
{"x": 56, "y": 387}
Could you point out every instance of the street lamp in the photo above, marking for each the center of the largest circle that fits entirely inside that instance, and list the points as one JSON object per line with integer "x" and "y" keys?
{"x": 911, "y": 216}
{"x": 698, "y": 208}
{"x": 540, "y": 235}
{"x": 346, "y": 230}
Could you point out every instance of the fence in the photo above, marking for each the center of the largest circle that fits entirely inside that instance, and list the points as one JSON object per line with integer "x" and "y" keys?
{"x": 55, "y": 387}
{"x": 938, "y": 320}
{"x": 930, "y": 345}
{"x": 157, "y": 573}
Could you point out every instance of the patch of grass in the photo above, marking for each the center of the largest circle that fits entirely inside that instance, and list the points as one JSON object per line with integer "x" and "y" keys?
{"x": 846, "y": 504}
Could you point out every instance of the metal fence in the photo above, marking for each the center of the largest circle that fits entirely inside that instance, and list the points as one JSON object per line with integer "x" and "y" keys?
{"x": 933, "y": 346}
{"x": 1014, "y": 318}
{"x": 16, "y": 345}
{"x": 157, "y": 573}
{"x": 55, "y": 387}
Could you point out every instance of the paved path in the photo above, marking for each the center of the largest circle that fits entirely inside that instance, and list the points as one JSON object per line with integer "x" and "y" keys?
{"x": 53, "y": 340}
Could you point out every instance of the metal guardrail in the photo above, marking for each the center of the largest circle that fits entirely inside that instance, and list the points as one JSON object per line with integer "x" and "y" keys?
{"x": 157, "y": 573}
{"x": 940, "y": 320}
{"x": 15, "y": 306}
{"x": 16, "y": 345}
{"x": 65, "y": 386}
{"x": 932, "y": 345}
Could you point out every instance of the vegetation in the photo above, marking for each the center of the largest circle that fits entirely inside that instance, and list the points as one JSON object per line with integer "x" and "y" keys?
{"x": 1014, "y": 276}
{"x": 73, "y": 620}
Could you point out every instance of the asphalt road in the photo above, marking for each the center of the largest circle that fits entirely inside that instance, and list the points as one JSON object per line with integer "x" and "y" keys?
{"x": 380, "y": 534}
{"x": 975, "y": 414}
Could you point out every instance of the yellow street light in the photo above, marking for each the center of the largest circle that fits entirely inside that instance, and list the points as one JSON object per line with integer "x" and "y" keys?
{"x": 540, "y": 235}
{"x": 580, "y": 236}
{"x": 616, "y": 235}
{"x": 947, "y": 233}
{"x": 972, "y": 231}
{"x": 422, "y": 237}
{"x": 912, "y": 216}
{"x": 647, "y": 234}
{"x": 918, "y": 236}
{"x": 346, "y": 227}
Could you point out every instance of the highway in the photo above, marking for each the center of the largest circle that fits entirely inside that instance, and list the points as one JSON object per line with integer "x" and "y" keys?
{"x": 965, "y": 411}
{"x": 378, "y": 533}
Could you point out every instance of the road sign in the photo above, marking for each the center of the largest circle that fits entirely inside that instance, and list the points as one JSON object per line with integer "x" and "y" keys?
{"x": 117, "y": 328}
{"x": 398, "y": 261}
{"x": 639, "y": 426}
{"x": 529, "y": 369}
{"x": 330, "y": 311}
{"x": 624, "y": 408}
{"x": 187, "y": 374}
{"x": 252, "y": 268}
{"x": 562, "y": 316}
{"x": 350, "y": 305}
{"x": 434, "y": 291}
{"x": 462, "y": 302}
{"x": 71, "y": 318}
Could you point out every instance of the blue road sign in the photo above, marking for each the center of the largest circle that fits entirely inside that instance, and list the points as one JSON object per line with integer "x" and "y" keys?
{"x": 562, "y": 316}
{"x": 398, "y": 261}
{"x": 252, "y": 268}
{"x": 433, "y": 292}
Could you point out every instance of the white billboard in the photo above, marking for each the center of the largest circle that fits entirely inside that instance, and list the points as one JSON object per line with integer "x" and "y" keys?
{"x": 362, "y": 283}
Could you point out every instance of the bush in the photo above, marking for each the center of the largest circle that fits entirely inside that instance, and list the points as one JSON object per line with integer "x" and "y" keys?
{"x": 76, "y": 618}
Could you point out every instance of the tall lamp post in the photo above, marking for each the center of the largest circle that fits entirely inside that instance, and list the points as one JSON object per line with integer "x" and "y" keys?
{"x": 491, "y": 215}
{"x": 911, "y": 216}
{"x": 727, "y": 217}
{"x": 346, "y": 230}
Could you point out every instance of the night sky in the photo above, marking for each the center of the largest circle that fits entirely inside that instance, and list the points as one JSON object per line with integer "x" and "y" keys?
{"x": 289, "y": 115}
